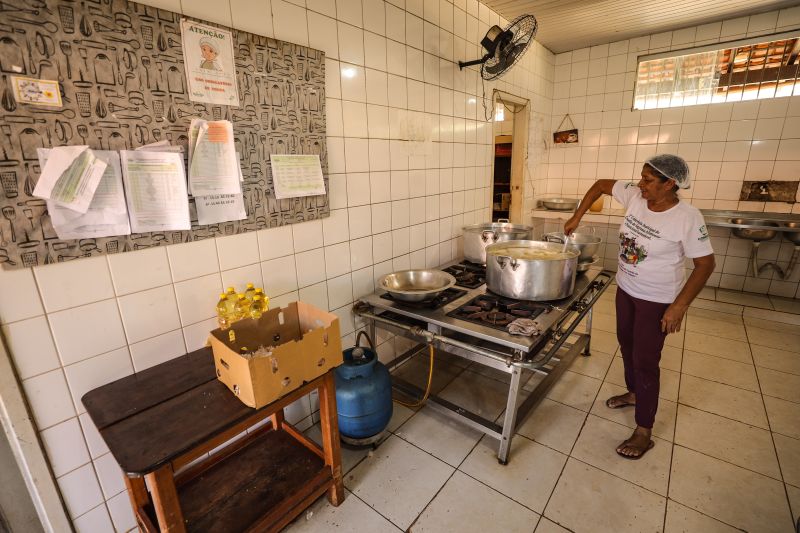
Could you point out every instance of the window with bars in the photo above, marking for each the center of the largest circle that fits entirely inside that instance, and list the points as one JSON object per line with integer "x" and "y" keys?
{"x": 765, "y": 67}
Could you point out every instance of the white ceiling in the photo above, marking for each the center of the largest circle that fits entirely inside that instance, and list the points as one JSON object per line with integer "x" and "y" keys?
{"x": 572, "y": 24}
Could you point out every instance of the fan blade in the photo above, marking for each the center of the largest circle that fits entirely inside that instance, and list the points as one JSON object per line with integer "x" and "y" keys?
{"x": 505, "y": 60}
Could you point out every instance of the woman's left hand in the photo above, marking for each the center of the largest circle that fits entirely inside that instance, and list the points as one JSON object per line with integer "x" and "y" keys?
{"x": 673, "y": 316}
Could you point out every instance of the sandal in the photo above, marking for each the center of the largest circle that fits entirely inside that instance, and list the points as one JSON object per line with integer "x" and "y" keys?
{"x": 642, "y": 451}
{"x": 622, "y": 403}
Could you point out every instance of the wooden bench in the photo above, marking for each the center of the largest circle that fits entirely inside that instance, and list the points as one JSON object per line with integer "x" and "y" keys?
{"x": 170, "y": 428}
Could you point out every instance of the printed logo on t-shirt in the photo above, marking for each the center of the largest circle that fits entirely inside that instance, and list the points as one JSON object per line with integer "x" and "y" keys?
{"x": 629, "y": 251}
{"x": 703, "y": 233}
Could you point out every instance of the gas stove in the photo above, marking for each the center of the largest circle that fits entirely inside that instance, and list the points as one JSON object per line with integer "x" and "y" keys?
{"x": 471, "y": 323}
{"x": 452, "y": 319}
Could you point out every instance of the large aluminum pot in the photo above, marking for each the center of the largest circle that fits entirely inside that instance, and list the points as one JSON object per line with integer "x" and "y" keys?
{"x": 416, "y": 285}
{"x": 514, "y": 270}
{"x": 478, "y": 236}
{"x": 586, "y": 243}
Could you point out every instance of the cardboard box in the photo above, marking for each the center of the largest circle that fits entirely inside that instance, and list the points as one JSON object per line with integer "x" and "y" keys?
{"x": 303, "y": 343}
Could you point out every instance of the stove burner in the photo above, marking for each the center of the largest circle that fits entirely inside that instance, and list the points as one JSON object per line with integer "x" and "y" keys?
{"x": 469, "y": 275}
{"x": 440, "y": 300}
{"x": 496, "y": 311}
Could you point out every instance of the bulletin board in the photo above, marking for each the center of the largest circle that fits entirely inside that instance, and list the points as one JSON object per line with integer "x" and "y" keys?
{"x": 120, "y": 69}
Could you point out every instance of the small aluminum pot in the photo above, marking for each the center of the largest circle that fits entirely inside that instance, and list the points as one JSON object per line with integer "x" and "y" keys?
{"x": 586, "y": 243}
{"x": 478, "y": 236}
{"x": 510, "y": 274}
{"x": 416, "y": 285}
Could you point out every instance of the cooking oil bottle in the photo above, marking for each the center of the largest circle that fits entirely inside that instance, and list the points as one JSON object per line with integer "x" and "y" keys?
{"x": 257, "y": 307}
{"x": 242, "y": 308}
{"x": 249, "y": 292}
{"x": 231, "y": 297}
{"x": 223, "y": 316}
{"x": 264, "y": 297}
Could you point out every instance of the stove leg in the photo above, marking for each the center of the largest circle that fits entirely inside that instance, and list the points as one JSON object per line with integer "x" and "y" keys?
{"x": 587, "y": 351}
{"x": 510, "y": 418}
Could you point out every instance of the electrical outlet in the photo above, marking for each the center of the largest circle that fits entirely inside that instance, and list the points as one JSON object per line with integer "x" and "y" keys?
{"x": 769, "y": 191}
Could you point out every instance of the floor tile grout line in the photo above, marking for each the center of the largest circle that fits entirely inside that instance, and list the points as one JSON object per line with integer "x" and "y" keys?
{"x": 675, "y": 426}
{"x": 772, "y": 436}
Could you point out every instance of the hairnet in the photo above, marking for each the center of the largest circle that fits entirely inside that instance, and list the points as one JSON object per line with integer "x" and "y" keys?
{"x": 671, "y": 166}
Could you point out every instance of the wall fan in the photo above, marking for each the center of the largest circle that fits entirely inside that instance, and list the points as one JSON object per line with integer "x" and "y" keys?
{"x": 504, "y": 47}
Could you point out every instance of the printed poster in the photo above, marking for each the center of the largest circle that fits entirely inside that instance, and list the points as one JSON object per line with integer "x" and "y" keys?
{"x": 38, "y": 92}
{"x": 208, "y": 59}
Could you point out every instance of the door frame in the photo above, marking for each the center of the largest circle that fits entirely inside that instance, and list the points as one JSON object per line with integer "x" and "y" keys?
{"x": 31, "y": 460}
{"x": 519, "y": 150}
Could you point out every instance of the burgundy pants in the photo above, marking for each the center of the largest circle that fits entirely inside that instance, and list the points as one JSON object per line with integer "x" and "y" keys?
{"x": 641, "y": 340}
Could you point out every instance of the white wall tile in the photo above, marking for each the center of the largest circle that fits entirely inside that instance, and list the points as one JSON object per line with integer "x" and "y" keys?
{"x": 289, "y": 22}
{"x": 360, "y": 221}
{"x": 340, "y": 291}
{"x": 148, "y": 313}
{"x": 254, "y": 16}
{"x": 307, "y": 235}
{"x": 197, "y": 298}
{"x": 31, "y": 346}
{"x": 193, "y": 259}
{"x": 95, "y": 443}
{"x": 310, "y": 267}
{"x": 92, "y": 373}
{"x": 88, "y": 330}
{"x": 237, "y": 250}
{"x": 20, "y": 296}
{"x": 65, "y": 446}
{"x": 351, "y": 44}
{"x": 80, "y": 490}
{"x": 136, "y": 271}
{"x": 110, "y": 476}
{"x": 49, "y": 398}
{"x": 157, "y": 350}
{"x": 196, "y": 335}
{"x": 121, "y": 514}
{"x": 316, "y": 295}
{"x": 275, "y": 242}
{"x": 280, "y": 275}
{"x": 96, "y": 519}
{"x": 323, "y": 34}
{"x": 335, "y": 227}
{"x": 240, "y": 277}
{"x": 74, "y": 283}
{"x": 337, "y": 259}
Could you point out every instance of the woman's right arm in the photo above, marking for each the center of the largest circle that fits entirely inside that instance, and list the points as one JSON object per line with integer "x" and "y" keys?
{"x": 598, "y": 189}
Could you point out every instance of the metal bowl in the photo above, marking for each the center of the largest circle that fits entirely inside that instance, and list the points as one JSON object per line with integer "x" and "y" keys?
{"x": 560, "y": 204}
{"x": 416, "y": 285}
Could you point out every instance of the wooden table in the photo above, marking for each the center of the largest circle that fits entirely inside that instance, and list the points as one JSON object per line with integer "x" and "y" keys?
{"x": 172, "y": 426}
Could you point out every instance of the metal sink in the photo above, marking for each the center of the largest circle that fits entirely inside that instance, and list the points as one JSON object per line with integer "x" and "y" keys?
{"x": 793, "y": 236}
{"x": 757, "y": 235}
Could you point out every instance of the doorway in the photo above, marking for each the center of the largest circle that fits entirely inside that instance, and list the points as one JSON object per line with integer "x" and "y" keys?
{"x": 510, "y": 149}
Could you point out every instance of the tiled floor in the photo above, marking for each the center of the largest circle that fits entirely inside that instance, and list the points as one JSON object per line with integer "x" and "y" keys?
{"x": 727, "y": 453}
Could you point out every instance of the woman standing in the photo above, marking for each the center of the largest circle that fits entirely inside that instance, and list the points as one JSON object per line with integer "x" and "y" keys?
{"x": 658, "y": 232}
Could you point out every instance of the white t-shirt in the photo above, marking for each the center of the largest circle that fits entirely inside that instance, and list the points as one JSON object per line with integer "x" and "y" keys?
{"x": 653, "y": 245}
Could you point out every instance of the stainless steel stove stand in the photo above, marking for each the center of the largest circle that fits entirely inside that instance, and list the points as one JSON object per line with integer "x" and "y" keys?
{"x": 551, "y": 361}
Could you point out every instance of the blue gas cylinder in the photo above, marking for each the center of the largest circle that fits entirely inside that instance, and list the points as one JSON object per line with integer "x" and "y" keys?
{"x": 363, "y": 394}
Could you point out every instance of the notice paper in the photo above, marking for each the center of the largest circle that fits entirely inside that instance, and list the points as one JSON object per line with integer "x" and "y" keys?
{"x": 208, "y": 59}
{"x": 107, "y": 215}
{"x": 213, "y": 165}
{"x": 216, "y": 208}
{"x": 297, "y": 175}
{"x": 155, "y": 186}
{"x": 161, "y": 146}
{"x": 70, "y": 177}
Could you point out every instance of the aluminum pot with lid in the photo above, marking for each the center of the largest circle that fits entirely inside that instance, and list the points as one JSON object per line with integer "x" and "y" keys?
{"x": 531, "y": 270}
{"x": 586, "y": 243}
{"x": 478, "y": 236}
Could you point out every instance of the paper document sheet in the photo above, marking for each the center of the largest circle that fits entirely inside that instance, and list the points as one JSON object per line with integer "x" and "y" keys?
{"x": 213, "y": 165}
{"x": 70, "y": 177}
{"x": 107, "y": 215}
{"x": 297, "y": 175}
{"x": 220, "y": 207}
{"x": 155, "y": 186}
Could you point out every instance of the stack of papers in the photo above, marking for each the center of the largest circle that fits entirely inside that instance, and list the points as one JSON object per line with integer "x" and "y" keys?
{"x": 215, "y": 175}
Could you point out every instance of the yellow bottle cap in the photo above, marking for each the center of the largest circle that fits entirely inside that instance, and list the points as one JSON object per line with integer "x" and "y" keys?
{"x": 231, "y": 289}
{"x": 257, "y": 297}
{"x": 241, "y": 296}
{"x": 249, "y": 285}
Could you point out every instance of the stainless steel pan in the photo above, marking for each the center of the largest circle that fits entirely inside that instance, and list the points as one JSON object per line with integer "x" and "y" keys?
{"x": 416, "y": 285}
